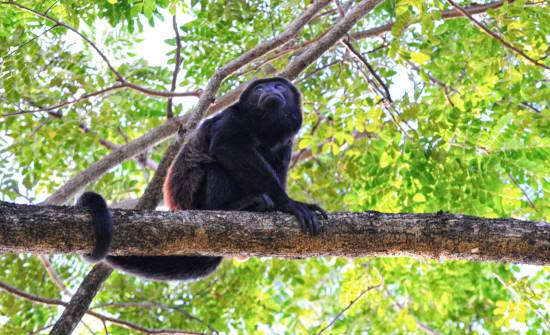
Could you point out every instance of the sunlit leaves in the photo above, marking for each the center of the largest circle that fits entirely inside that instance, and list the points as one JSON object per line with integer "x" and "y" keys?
{"x": 467, "y": 132}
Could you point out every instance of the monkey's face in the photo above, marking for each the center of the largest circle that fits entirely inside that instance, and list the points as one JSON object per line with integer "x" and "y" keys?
{"x": 271, "y": 95}
{"x": 274, "y": 107}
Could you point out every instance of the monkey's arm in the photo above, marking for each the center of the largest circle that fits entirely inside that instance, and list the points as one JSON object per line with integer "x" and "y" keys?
{"x": 236, "y": 151}
{"x": 281, "y": 162}
{"x": 281, "y": 165}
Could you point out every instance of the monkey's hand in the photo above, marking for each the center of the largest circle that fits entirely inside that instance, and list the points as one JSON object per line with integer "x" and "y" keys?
{"x": 315, "y": 208}
{"x": 263, "y": 203}
{"x": 305, "y": 213}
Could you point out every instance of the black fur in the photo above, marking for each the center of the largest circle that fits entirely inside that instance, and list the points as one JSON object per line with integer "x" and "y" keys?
{"x": 102, "y": 222}
{"x": 236, "y": 160}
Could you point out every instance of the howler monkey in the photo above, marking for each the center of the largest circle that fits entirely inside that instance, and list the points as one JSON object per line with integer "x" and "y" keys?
{"x": 236, "y": 160}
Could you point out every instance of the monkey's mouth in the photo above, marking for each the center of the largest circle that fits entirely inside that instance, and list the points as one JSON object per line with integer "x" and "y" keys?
{"x": 271, "y": 101}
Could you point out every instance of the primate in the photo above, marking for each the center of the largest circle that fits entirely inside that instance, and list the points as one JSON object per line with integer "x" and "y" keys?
{"x": 236, "y": 160}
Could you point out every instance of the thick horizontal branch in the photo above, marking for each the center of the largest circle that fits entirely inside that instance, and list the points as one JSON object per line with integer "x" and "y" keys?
{"x": 55, "y": 229}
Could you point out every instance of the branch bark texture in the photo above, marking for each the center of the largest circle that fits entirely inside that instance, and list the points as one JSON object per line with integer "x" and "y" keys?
{"x": 55, "y": 229}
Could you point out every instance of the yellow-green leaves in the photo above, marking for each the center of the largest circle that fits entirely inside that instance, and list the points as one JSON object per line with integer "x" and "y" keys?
{"x": 419, "y": 57}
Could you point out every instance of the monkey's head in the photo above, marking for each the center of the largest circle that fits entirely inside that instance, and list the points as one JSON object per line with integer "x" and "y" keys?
{"x": 273, "y": 105}
{"x": 271, "y": 94}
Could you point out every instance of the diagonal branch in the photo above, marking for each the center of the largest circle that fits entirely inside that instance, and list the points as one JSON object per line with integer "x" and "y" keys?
{"x": 126, "y": 324}
{"x": 351, "y": 303}
{"x": 81, "y": 35}
{"x": 117, "y": 74}
{"x": 445, "y": 15}
{"x": 495, "y": 35}
{"x": 363, "y": 60}
{"x": 332, "y": 36}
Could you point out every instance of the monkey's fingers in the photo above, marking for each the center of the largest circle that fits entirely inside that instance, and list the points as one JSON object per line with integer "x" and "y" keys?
{"x": 317, "y": 208}
{"x": 311, "y": 220}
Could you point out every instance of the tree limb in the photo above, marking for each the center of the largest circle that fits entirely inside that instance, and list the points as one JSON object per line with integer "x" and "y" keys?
{"x": 45, "y": 229}
{"x": 332, "y": 36}
{"x": 118, "y": 75}
{"x": 123, "y": 323}
{"x": 82, "y": 299}
{"x": 169, "y": 112}
{"x": 494, "y": 35}
{"x": 445, "y": 15}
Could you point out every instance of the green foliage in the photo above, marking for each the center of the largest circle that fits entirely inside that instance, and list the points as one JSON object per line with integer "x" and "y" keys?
{"x": 467, "y": 132}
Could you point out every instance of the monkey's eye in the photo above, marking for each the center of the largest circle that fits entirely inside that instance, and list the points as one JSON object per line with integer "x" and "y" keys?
{"x": 259, "y": 88}
{"x": 279, "y": 86}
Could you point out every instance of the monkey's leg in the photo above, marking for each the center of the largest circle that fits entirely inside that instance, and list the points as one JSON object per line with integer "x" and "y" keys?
{"x": 254, "y": 203}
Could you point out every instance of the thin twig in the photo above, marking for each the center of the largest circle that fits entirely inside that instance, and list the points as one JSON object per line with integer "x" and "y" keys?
{"x": 495, "y": 35}
{"x": 152, "y": 304}
{"x": 53, "y": 275}
{"x": 363, "y": 60}
{"x": 169, "y": 112}
{"x": 126, "y": 324}
{"x": 514, "y": 180}
{"x": 348, "y": 307}
{"x": 31, "y": 39}
{"x": 517, "y": 296}
{"x": 308, "y": 75}
{"x": 67, "y": 102}
{"x": 445, "y": 15}
{"x": 50, "y": 8}
{"x": 164, "y": 94}
{"x": 531, "y": 107}
{"x": 421, "y": 324}
{"x": 436, "y": 81}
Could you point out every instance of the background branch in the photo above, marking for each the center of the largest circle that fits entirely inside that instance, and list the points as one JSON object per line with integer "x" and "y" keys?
{"x": 126, "y": 324}
{"x": 495, "y": 35}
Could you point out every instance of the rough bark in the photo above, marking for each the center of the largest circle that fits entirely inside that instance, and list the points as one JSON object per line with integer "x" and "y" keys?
{"x": 68, "y": 321}
{"x": 25, "y": 228}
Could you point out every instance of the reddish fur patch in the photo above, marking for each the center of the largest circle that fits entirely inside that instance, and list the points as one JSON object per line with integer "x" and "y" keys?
{"x": 167, "y": 192}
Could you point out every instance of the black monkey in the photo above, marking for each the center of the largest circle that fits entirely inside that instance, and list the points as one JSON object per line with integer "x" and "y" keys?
{"x": 236, "y": 160}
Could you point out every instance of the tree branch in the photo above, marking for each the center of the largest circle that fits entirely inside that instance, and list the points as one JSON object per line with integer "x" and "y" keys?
{"x": 332, "y": 36}
{"x": 351, "y": 303}
{"x": 169, "y": 112}
{"x": 25, "y": 228}
{"x": 126, "y": 324}
{"x": 496, "y": 36}
{"x": 445, "y": 15}
{"x": 82, "y": 299}
{"x": 97, "y": 169}
{"x": 118, "y": 75}
{"x": 364, "y": 61}
{"x": 68, "y": 102}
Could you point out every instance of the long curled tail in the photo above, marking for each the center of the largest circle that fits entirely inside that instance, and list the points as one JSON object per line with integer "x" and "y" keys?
{"x": 103, "y": 224}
